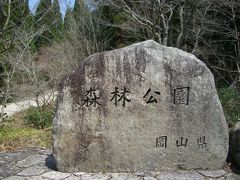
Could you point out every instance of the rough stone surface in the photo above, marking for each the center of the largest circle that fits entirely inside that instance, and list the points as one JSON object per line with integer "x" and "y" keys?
{"x": 95, "y": 177}
{"x": 232, "y": 176}
{"x": 53, "y": 174}
{"x": 149, "y": 178}
{"x": 33, "y": 171}
{"x": 180, "y": 176}
{"x": 140, "y": 174}
{"x": 114, "y": 138}
{"x": 9, "y": 159}
{"x": 36, "y": 178}
{"x": 79, "y": 173}
{"x": 124, "y": 176}
{"x": 15, "y": 178}
{"x": 31, "y": 160}
{"x": 73, "y": 178}
{"x": 214, "y": 174}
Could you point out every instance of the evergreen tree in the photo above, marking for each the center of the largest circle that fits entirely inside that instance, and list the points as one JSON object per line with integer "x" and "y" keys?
{"x": 2, "y": 16}
{"x": 80, "y": 9}
{"x": 43, "y": 12}
{"x": 57, "y": 19}
{"x": 19, "y": 15}
{"x": 77, "y": 9}
{"x": 68, "y": 18}
{"x": 16, "y": 18}
{"x": 20, "y": 12}
{"x": 44, "y": 19}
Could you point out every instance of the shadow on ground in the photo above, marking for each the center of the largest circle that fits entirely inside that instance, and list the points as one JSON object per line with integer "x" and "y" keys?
{"x": 50, "y": 162}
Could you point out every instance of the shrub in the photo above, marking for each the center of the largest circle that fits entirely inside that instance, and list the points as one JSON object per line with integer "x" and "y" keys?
{"x": 39, "y": 118}
{"x": 230, "y": 100}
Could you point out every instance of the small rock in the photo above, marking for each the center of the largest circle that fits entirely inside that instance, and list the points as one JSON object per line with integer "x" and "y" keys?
{"x": 45, "y": 152}
{"x": 124, "y": 176}
{"x": 140, "y": 174}
{"x": 180, "y": 176}
{"x": 151, "y": 173}
{"x": 32, "y": 160}
{"x": 55, "y": 175}
{"x": 72, "y": 177}
{"x": 149, "y": 178}
{"x": 221, "y": 178}
{"x": 79, "y": 173}
{"x": 232, "y": 176}
{"x": 33, "y": 171}
{"x": 213, "y": 174}
{"x": 95, "y": 177}
{"x": 35, "y": 178}
{"x": 15, "y": 178}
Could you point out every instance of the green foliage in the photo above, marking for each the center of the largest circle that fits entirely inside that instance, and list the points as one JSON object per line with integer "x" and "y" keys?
{"x": 120, "y": 18}
{"x": 20, "y": 12}
{"x": 57, "y": 23}
{"x": 20, "y": 20}
{"x": 43, "y": 12}
{"x": 48, "y": 17}
{"x": 39, "y": 118}
{"x": 2, "y": 15}
{"x": 15, "y": 134}
{"x": 230, "y": 100}
{"x": 68, "y": 18}
{"x": 77, "y": 9}
{"x": 44, "y": 19}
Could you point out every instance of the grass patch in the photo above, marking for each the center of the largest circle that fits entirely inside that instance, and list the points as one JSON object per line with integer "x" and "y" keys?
{"x": 14, "y": 138}
{"x": 16, "y": 132}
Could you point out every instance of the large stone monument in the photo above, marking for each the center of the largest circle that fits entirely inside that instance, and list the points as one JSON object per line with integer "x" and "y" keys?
{"x": 145, "y": 107}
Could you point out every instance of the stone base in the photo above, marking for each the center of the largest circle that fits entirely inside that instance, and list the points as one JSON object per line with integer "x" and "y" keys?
{"x": 37, "y": 164}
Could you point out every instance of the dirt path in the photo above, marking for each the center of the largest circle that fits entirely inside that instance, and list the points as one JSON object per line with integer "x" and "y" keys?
{"x": 15, "y": 107}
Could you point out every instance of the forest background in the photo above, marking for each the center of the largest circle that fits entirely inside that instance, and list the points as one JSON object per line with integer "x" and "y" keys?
{"x": 38, "y": 48}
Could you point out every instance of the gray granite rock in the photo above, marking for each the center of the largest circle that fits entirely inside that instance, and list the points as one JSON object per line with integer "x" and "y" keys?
{"x": 95, "y": 177}
{"x": 221, "y": 178}
{"x": 35, "y": 178}
{"x": 149, "y": 178}
{"x": 32, "y": 160}
{"x": 145, "y": 107}
{"x": 33, "y": 171}
{"x": 9, "y": 170}
{"x": 180, "y": 176}
{"x": 45, "y": 151}
{"x": 213, "y": 174}
{"x": 72, "y": 177}
{"x": 232, "y": 176}
{"x": 55, "y": 175}
{"x": 9, "y": 159}
{"x": 15, "y": 178}
{"x": 138, "y": 173}
{"x": 37, "y": 172}
{"x": 79, "y": 173}
{"x": 124, "y": 176}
